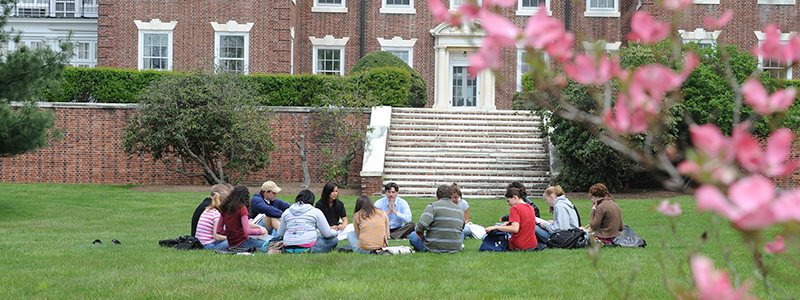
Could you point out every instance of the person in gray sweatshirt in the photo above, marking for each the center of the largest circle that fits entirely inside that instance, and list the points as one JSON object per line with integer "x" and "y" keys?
{"x": 564, "y": 215}
{"x": 299, "y": 226}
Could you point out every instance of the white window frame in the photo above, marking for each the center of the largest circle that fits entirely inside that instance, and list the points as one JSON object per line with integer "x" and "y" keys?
{"x": 91, "y": 60}
{"x": 602, "y": 13}
{"x": 784, "y": 39}
{"x": 232, "y": 28}
{"x": 705, "y": 1}
{"x": 398, "y": 9}
{"x": 777, "y": 2}
{"x": 700, "y": 36}
{"x": 328, "y": 43}
{"x": 329, "y": 8}
{"x": 399, "y": 44}
{"x": 521, "y": 63}
{"x": 155, "y": 26}
{"x": 530, "y": 11}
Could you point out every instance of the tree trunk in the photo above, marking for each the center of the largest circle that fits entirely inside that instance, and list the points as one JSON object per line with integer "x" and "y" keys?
{"x": 304, "y": 161}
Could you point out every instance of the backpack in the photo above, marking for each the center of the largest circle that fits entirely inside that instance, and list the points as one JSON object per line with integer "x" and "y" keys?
{"x": 186, "y": 242}
{"x": 629, "y": 239}
{"x": 567, "y": 239}
{"x": 394, "y": 250}
{"x": 495, "y": 241}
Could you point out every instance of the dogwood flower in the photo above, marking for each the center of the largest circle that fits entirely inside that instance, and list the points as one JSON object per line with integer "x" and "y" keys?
{"x": 670, "y": 210}
{"x": 787, "y": 207}
{"x": 592, "y": 70}
{"x": 542, "y": 30}
{"x": 505, "y": 32}
{"x": 772, "y": 47}
{"x": 776, "y": 246}
{"x": 488, "y": 56}
{"x": 750, "y": 204}
{"x": 500, "y": 3}
{"x": 647, "y": 30}
{"x": 676, "y": 5}
{"x": 756, "y": 96}
{"x": 712, "y": 284}
{"x": 774, "y": 162}
{"x": 714, "y": 24}
{"x": 441, "y": 13}
{"x": 623, "y": 119}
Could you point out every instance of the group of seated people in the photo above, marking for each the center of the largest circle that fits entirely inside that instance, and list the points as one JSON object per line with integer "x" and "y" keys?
{"x": 225, "y": 219}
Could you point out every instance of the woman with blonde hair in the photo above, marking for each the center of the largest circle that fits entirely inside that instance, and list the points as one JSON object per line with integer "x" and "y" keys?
{"x": 565, "y": 217}
{"x": 371, "y": 227}
{"x": 208, "y": 223}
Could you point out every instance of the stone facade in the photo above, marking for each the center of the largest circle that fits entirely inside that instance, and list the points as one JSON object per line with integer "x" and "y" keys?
{"x": 91, "y": 151}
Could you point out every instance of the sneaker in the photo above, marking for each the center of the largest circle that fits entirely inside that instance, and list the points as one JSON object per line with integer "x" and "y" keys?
{"x": 345, "y": 250}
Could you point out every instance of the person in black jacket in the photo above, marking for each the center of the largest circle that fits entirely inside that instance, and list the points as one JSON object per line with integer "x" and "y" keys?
{"x": 217, "y": 188}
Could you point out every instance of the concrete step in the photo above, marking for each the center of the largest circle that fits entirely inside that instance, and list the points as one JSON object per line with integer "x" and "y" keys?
{"x": 449, "y": 133}
{"x": 470, "y": 172}
{"x": 460, "y": 145}
{"x": 480, "y": 139}
{"x": 476, "y": 160}
{"x": 415, "y": 126}
{"x": 534, "y": 176}
{"x": 467, "y": 122}
{"x": 522, "y": 152}
{"x": 444, "y": 153}
{"x": 449, "y": 113}
{"x": 522, "y": 165}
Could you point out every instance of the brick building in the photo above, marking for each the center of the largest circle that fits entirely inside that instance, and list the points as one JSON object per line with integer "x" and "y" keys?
{"x": 329, "y": 36}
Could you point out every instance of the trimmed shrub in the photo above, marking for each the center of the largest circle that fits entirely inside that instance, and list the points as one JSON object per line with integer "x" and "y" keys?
{"x": 389, "y": 85}
{"x": 105, "y": 85}
{"x": 418, "y": 91}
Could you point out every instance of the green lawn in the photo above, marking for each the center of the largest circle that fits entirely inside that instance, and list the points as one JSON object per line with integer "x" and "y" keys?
{"x": 46, "y": 252}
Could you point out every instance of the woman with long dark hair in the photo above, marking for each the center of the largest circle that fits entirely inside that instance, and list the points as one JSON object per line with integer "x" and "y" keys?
{"x": 332, "y": 207}
{"x": 300, "y": 223}
{"x": 371, "y": 227}
{"x": 235, "y": 211}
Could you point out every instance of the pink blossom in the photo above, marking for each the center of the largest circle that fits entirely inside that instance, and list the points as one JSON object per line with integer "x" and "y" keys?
{"x": 691, "y": 61}
{"x": 712, "y": 284}
{"x": 771, "y": 48}
{"x": 646, "y": 29}
{"x": 776, "y": 246}
{"x": 774, "y": 161}
{"x": 499, "y": 27}
{"x": 587, "y": 70}
{"x": 672, "y": 210}
{"x": 649, "y": 84}
{"x": 714, "y": 24}
{"x": 468, "y": 12}
{"x": 750, "y": 205}
{"x": 710, "y": 140}
{"x": 787, "y": 208}
{"x": 756, "y": 96}
{"x": 488, "y": 56}
{"x": 441, "y": 13}
{"x": 689, "y": 167}
{"x": 676, "y": 5}
{"x": 625, "y": 120}
{"x": 542, "y": 30}
{"x": 500, "y": 3}
{"x": 560, "y": 48}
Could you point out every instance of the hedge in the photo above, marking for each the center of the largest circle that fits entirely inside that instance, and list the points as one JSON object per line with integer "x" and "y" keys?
{"x": 389, "y": 86}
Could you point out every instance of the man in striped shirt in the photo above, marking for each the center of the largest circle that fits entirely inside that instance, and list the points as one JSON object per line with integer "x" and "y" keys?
{"x": 440, "y": 225}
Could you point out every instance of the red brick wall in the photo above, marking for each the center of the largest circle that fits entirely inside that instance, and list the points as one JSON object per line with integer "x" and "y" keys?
{"x": 91, "y": 152}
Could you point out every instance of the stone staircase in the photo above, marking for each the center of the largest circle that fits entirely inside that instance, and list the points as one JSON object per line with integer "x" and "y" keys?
{"x": 480, "y": 151}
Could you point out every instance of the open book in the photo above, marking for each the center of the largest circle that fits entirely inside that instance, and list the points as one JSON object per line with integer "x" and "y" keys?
{"x": 258, "y": 218}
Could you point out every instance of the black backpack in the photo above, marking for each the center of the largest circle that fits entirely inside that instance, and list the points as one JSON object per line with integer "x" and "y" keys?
{"x": 568, "y": 239}
{"x": 186, "y": 242}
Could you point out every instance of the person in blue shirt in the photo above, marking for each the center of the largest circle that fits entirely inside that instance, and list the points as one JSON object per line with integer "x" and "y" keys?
{"x": 398, "y": 211}
{"x": 264, "y": 202}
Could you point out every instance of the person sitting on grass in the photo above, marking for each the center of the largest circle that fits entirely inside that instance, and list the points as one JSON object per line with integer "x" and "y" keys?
{"x": 332, "y": 207}
{"x": 216, "y": 189}
{"x": 371, "y": 227}
{"x": 606, "y": 216}
{"x": 208, "y": 224}
{"x": 457, "y": 200}
{"x": 521, "y": 222}
{"x": 524, "y": 195}
{"x": 299, "y": 226}
{"x": 564, "y": 215}
{"x": 265, "y": 202}
{"x": 238, "y": 229}
{"x": 397, "y": 210}
{"x": 440, "y": 225}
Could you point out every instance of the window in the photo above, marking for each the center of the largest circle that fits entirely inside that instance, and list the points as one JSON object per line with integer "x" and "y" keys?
{"x": 328, "y": 56}
{"x": 398, "y": 7}
{"x": 329, "y": 6}
{"x": 602, "y": 8}
{"x": 531, "y": 7}
{"x": 85, "y": 54}
{"x": 155, "y": 44}
{"x": 700, "y": 36}
{"x": 776, "y": 69}
{"x": 232, "y": 46}
{"x": 523, "y": 67}
{"x": 404, "y": 49}
{"x": 328, "y": 61}
{"x": 84, "y": 50}
{"x": 231, "y": 54}
{"x": 156, "y": 54}
{"x": 65, "y": 9}
{"x": 90, "y": 8}
{"x": 32, "y": 8}
{"x": 601, "y": 45}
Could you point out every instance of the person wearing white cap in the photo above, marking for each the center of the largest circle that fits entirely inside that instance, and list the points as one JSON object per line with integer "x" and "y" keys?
{"x": 264, "y": 202}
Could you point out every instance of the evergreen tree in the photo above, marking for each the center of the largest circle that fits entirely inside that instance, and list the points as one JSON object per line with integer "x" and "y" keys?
{"x": 24, "y": 74}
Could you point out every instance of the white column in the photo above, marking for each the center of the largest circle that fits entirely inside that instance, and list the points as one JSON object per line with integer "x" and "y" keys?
{"x": 487, "y": 90}
{"x": 441, "y": 81}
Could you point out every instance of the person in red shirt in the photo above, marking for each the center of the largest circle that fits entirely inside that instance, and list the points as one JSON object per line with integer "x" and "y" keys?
{"x": 521, "y": 222}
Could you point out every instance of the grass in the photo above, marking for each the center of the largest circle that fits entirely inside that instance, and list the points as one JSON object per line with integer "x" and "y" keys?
{"x": 46, "y": 253}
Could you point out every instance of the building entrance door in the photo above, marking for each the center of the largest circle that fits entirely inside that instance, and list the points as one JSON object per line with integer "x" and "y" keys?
{"x": 464, "y": 89}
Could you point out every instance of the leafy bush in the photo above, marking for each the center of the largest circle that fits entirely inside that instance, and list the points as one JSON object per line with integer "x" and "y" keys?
{"x": 389, "y": 85}
{"x": 105, "y": 85}
{"x": 418, "y": 92}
